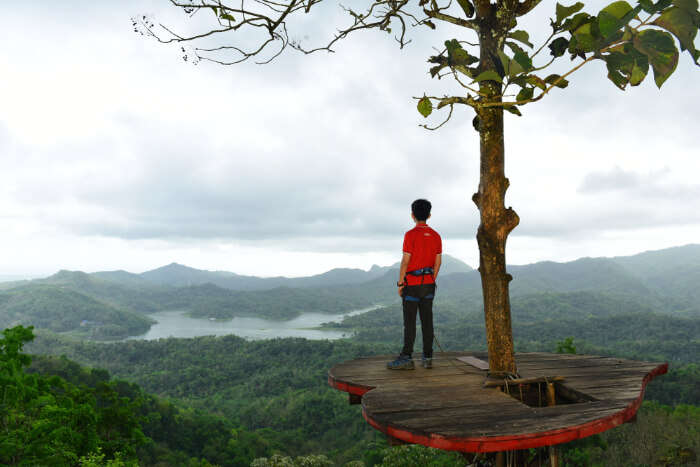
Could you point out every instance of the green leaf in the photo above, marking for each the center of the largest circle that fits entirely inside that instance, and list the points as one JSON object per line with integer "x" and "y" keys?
{"x": 514, "y": 110}
{"x": 425, "y": 107}
{"x": 648, "y": 6}
{"x": 558, "y": 46}
{"x": 607, "y": 23}
{"x": 680, "y": 23}
{"x": 467, "y": 7}
{"x": 452, "y": 45}
{"x": 521, "y": 36}
{"x": 626, "y": 61}
{"x": 585, "y": 40}
{"x": 524, "y": 60}
{"x": 690, "y": 6}
{"x": 662, "y": 5}
{"x": 618, "y": 9}
{"x": 435, "y": 70}
{"x": 511, "y": 67}
{"x": 639, "y": 70}
{"x": 525, "y": 94}
{"x": 537, "y": 81}
{"x": 461, "y": 57}
{"x": 561, "y": 83}
{"x": 661, "y": 50}
{"x": 515, "y": 48}
{"x": 464, "y": 70}
{"x": 577, "y": 21}
{"x": 520, "y": 80}
{"x": 488, "y": 75}
{"x": 228, "y": 17}
{"x": 617, "y": 62}
{"x": 456, "y": 55}
{"x": 564, "y": 12}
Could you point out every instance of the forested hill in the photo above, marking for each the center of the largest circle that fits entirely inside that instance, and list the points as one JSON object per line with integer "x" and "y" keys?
{"x": 111, "y": 305}
{"x": 178, "y": 275}
{"x": 230, "y": 400}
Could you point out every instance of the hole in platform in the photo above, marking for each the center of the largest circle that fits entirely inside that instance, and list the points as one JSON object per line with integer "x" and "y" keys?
{"x": 542, "y": 395}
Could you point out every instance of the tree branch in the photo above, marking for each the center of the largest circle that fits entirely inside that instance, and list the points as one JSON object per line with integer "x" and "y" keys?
{"x": 526, "y": 7}
{"x": 452, "y": 19}
{"x": 483, "y": 8}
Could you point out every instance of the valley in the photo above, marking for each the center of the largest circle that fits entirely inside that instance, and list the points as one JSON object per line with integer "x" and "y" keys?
{"x": 255, "y": 361}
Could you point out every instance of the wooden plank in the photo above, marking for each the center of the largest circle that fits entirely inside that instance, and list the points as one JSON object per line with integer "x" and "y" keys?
{"x": 509, "y": 422}
{"x": 475, "y": 362}
{"x": 498, "y": 382}
{"x": 446, "y": 407}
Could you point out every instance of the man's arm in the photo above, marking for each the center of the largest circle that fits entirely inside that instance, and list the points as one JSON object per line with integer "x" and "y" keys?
{"x": 436, "y": 267}
{"x": 402, "y": 271}
{"x": 404, "y": 265}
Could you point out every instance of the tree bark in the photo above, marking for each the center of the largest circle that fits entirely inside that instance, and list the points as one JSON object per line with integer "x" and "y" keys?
{"x": 496, "y": 221}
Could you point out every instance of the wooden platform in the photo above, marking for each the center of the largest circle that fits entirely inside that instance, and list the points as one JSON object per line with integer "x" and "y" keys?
{"x": 447, "y": 407}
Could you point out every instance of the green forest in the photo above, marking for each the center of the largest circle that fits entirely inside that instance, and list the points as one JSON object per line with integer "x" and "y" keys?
{"x": 71, "y": 399}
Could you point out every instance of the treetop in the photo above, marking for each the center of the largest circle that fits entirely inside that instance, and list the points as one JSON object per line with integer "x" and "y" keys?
{"x": 495, "y": 63}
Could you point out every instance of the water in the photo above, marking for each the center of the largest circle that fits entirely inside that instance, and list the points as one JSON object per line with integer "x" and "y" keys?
{"x": 178, "y": 324}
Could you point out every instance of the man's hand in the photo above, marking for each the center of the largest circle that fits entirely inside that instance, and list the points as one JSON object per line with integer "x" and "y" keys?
{"x": 401, "y": 290}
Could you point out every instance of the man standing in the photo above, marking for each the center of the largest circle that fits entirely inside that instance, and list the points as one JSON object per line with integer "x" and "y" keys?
{"x": 422, "y": 250}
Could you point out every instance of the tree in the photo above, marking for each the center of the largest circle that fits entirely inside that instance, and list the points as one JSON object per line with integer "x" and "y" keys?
{"x": 628, "y": 39}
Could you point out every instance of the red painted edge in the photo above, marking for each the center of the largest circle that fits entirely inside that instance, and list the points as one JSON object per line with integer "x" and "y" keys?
{"x": 356, "y": 389}
{"x": 512, "y": 442}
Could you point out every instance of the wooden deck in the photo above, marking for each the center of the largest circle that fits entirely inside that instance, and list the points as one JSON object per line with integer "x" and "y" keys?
{"x": 447, "y": 407}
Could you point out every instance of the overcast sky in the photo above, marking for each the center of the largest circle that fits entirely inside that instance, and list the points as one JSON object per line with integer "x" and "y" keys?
{"x": 116, "y": 154}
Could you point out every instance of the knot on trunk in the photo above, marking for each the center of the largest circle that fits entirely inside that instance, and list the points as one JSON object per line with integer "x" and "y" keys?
{"x": 506, "y": 185}
{"x": 476, "y": 197}
{"x": 512, "y": 219}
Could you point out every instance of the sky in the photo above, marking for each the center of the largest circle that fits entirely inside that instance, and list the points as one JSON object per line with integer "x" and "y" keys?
{"x": 117, "y": 154}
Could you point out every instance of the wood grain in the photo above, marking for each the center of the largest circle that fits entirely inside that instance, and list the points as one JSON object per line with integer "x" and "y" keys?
{"x": 447, "y": 407}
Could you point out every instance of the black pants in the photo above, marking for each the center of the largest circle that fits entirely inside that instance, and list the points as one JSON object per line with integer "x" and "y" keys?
{"x": 418, "y": 299}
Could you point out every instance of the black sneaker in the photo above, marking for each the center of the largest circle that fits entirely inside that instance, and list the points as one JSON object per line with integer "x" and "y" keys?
{"x": 403, "y": 362}
{"x": 427, "y": 362}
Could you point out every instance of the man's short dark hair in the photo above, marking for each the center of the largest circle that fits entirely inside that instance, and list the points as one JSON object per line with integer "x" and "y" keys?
{"x": 421, "y": 209}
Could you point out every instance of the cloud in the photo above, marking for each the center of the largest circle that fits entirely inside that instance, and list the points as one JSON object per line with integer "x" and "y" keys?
{"x": 112, "y": 136}
{"x": 658, "y": 185}
{"x": 617, "y": 179}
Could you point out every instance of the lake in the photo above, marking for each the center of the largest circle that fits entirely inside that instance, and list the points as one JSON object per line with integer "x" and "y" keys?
{"x": 178, "y": 324}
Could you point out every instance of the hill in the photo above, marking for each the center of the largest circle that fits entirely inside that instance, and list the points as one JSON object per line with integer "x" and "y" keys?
{"x": 62, "y": 310}
{"x": 662, "y": 281}
{"x": 672, "y": 272}
{"x": 178, "y": 275}
{"x": 145, "y": 298}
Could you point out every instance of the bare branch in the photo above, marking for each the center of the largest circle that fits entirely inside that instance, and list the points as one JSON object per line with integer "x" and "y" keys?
{"x": 475, "y": 91}
{"x": 449, "y": 116}
{"x": 436, "y": 14}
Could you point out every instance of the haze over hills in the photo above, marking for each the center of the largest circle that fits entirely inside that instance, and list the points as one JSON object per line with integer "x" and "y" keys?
{"x": 664, "y": 281}
{"x": 179, "y": 275}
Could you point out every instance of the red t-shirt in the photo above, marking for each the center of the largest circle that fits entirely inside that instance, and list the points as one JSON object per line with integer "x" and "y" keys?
{"x": 423, "y": 243}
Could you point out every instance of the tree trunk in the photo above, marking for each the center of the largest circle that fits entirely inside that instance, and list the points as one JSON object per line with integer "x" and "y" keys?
{"x": 496, "y": 221}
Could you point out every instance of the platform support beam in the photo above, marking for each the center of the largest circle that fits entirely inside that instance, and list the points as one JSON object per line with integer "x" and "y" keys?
{"x": 551, "y": 402}
{"x": 394, "y": 441}
{"x": 501, "y": 459}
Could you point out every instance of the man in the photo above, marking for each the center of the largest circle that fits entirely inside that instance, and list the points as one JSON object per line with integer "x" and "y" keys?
{"x": 422, "y": 256}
